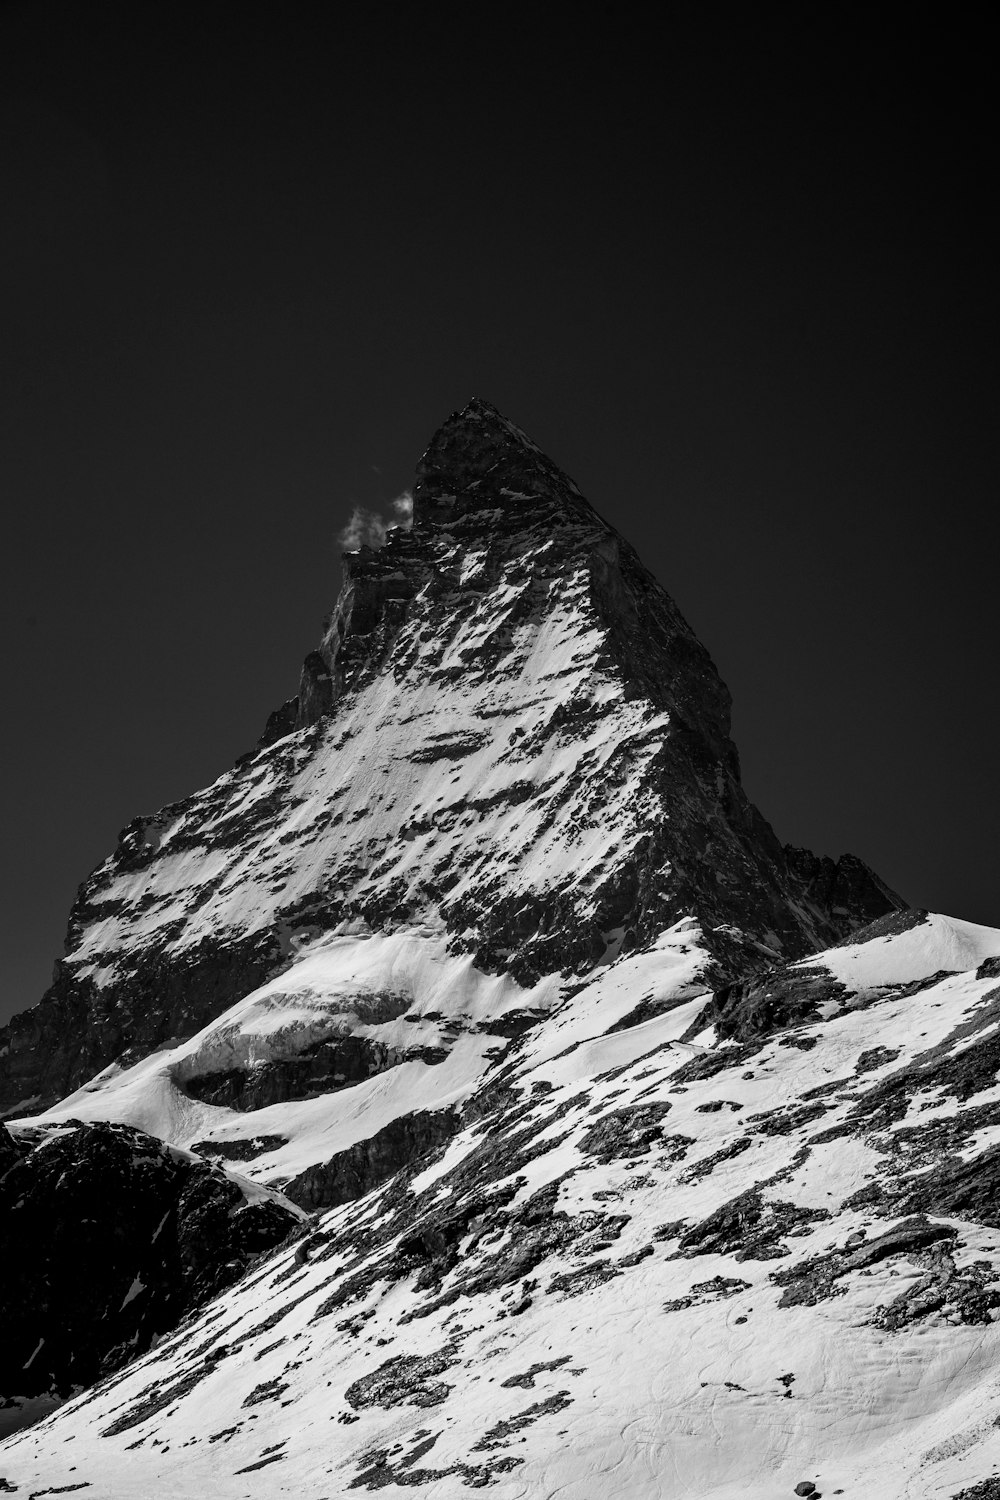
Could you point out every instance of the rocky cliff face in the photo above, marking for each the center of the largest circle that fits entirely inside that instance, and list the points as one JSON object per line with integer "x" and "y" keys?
{"x": 508, "y": 732}
{"x": 110, "y": 1238}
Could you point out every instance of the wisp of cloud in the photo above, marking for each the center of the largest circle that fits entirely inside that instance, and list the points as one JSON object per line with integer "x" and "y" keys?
{"x": 367, "y": 528}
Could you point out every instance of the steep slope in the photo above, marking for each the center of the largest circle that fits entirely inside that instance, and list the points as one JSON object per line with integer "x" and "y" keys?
{"x": 509, "y": 741}
{"x": 246, "y": 1088}
{"x": 644, "y": 1267}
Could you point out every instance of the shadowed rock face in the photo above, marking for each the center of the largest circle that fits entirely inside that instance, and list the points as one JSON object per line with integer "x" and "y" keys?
{"x": 757, "y": 1006}
{"x": 80, "y": 1026}
{"x": 112, "y": 1238}
{"x": 319, "y": 1069}
{"x": 508, "y": 728}
{"x": 352, "y": 1173}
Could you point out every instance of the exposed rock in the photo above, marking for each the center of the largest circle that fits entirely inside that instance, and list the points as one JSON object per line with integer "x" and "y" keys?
{"x": 626, "y": 1132}
{"x": 875, "y": 1057}
{"x": 406, "y": 1378}
{"x": 752, "y": 1009}
{"x": 79, "y": 1027}
{"x": 961, "y": 1189}
{"x": 811, "y": 1280}
{"x": 967, "y": 1296}
{"x": 320, "y": 1068}
{"x": 117, "y": 1237}
{"x": 891, "y": 924}
{"x": 787, "y": 1119}
{"x": 352, "y": 1173}
{"x": 708, "y": 1064}
{"x": 847, "y": 887}
{"x": 497, "y": 1436}
{"x": 239, "y": 1150}
{"x": 10, "y": 1152}
{"x": 707, "y": 1291}
{"x": 527, "y": 1379}
{"x": 986, "y": 1489}
{"x": 749, "y": 1227}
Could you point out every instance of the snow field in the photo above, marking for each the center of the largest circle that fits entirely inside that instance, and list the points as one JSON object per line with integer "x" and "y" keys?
{"x": 731, "y": 1396}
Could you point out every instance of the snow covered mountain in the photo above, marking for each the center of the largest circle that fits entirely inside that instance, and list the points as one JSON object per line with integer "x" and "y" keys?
{"x": 509, "y": 743}
{"x": 640, "y": 1149}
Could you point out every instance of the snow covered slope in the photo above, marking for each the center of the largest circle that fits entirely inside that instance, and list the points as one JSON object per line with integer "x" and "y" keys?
{"x": 645, "y": 1267}
{"x": 448, "y": 1022}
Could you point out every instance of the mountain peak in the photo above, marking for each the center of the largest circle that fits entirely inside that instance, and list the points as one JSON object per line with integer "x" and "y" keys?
{"x": 508, "y": 731}
{"x": 479, "y": 460}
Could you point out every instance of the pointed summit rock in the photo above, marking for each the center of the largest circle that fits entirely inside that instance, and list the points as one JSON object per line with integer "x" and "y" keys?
{"x": 508, "y": 740}
{"x": 479, "y": 461}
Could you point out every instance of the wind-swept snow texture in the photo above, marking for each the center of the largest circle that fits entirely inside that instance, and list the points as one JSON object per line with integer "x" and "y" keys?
{"x": 650, "y": 1268}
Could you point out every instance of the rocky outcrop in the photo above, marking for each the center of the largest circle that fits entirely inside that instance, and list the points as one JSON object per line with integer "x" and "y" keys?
{"x": 111, "y": 1238}
{"x": 321, "y": 1068}
{"x": 846, "y": 888}
{"x": 9, "y": 1153}
{"x": 752, "y": 1009}
{"x": 367, "y": 1164}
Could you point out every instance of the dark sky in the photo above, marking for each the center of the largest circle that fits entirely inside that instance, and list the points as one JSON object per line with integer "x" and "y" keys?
{"x": 740, "y": 285}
